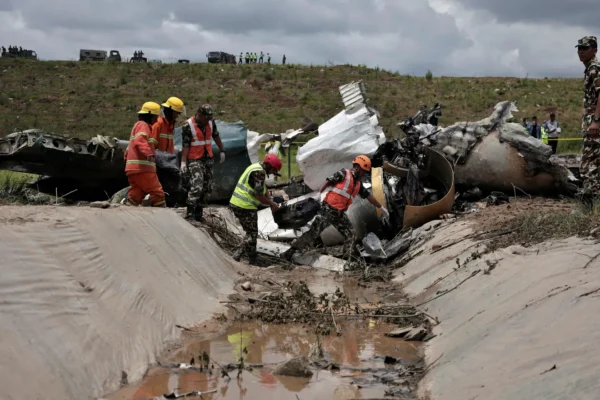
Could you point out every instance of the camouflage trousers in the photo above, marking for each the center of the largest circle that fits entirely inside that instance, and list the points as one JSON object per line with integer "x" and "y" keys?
{"x": 249, "y": 221}
{"x": 200, "y": 176}
{"x": 590, "y": 162}
{"x": 327, "y": 216}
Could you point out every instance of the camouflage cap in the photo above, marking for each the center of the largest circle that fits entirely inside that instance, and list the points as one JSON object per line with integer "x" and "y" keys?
{"x": 587, "y": 41}
{"x": 205, "y": 109}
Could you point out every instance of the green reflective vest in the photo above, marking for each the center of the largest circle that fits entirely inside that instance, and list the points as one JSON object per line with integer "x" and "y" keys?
{"x": 244, "y": 196}
{"x": 273, "y": 148}
{"x": 544, "y": 135}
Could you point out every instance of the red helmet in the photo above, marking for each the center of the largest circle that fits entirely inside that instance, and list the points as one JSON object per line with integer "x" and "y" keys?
{"x": 273, "y": 161}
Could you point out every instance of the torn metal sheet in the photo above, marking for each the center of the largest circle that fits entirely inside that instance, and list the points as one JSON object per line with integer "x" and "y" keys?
{"x": 495, "y": 154}
{"x": 305, "y": 258}
{"x": 353, "y": 131}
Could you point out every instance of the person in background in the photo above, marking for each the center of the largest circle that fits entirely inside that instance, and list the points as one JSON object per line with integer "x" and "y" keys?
{"x": 553, "y": 130}
{"x": 526, "y": 124}
{"x": 284, "y": 59}
{"x": 535, "y": 130}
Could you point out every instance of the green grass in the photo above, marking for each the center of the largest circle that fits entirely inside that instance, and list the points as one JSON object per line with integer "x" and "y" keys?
{"x": 83, "y": 99}
{"x": 13, "y": 189}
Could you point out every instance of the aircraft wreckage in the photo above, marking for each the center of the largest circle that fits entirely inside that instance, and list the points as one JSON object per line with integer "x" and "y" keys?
{"x": 418, "y": 177}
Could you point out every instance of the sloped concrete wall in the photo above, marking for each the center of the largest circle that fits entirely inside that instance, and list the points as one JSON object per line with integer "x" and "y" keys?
{"x": 87, "y": 293}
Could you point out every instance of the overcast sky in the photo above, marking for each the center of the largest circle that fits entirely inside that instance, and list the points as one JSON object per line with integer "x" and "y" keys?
{"x": 449, "y": 37}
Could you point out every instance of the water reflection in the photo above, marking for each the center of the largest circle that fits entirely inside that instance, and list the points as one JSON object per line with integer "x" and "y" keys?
{"x": 269, "y": 345}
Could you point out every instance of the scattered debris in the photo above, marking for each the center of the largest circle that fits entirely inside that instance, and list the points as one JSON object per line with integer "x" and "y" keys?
{"x": 297, "y": 367}
{"x": 247, "y": 286}
{"x": 410, "y": 334}
{"x": 174, "y": 395}
{"x": 100, "y": 204}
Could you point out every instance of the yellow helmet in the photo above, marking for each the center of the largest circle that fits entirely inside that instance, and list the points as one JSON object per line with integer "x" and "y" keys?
{"x": 150, "y": 107}
{"x": 175, "y": 104}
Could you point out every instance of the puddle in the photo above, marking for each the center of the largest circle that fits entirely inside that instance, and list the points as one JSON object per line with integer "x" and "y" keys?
{"x": 362, "y": 346}
{"x": 323, "y": 282}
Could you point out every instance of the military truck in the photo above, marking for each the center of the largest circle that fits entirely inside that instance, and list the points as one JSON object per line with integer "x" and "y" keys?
{"x": 92, "y": 55}
{"x": 114, "y": 56}
{"x": 219, "y": 57}
{"x": 138, "y": 57}
{"x": 99, "y": 55}
{"x": 20, "y": 53}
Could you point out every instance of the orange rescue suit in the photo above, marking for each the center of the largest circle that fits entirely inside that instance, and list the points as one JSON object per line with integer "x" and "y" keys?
{"x": 340, "y": 195}
{"x": 162, "y": 133}
{"x": 200, "y": 142}
{"x": 140, "y": 171}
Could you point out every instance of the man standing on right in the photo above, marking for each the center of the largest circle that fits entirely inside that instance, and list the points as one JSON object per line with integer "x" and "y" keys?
{"x": 587, "y": 47}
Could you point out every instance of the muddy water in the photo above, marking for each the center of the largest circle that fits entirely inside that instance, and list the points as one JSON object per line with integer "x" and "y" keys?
{"x": 362, "y": 345}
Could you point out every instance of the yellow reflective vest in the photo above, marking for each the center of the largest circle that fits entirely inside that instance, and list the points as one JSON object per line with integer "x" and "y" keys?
{"x": 273, "y": 148}
{"x": 544, "y": 135}
{"x": 244, "y": 196}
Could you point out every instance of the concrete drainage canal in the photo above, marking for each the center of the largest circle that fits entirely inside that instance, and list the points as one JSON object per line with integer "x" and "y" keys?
{"x": 301, "y": 334}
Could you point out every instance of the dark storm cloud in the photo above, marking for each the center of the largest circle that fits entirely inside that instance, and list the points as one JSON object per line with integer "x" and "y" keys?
{"x": 408, "y": 36}
{"x": 582, "y": 13}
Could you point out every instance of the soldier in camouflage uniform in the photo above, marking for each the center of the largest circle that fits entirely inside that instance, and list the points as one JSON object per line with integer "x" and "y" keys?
{"x": 197, "y": 158}
{"x": 249, "y": 193}
{"x": 342, "y": 187}
{"x": 587, "y": 48}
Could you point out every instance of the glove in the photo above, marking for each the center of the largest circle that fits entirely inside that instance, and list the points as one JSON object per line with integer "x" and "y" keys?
{"x": 222, "y": 157}
{"x": 183, "y": 167}
{"x": 386, "y": 213}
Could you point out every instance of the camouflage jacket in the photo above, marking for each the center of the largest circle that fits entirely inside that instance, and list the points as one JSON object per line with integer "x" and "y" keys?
{"x": 591, "y": 87}
{"x": 257, "y": 180}
{"x": 341, "y": 175}
{"x": 186, "y": 133}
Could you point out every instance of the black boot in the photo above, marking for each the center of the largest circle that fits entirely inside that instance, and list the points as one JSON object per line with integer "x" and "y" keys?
{"x": 198, "y": 213}
{"x": 189, "y": 211}
{"x": 237, "y": 255}
{"x": 287, "y": 255}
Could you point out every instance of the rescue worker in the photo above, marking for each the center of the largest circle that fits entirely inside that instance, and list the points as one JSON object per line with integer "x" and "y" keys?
{"x": 247, "y": 58}
{"x": 240, "y": 58}
{"x": 140, "y": 166}
{"x": 269, "y": 58}
{"x": 162, "y": 130}
{"x": 274, "y": 147}
{"x": 197, "y": 158}
{"x": 262, "y": 56}
{"x": 250, "y": 191}
{"x": 587, "y": 48}
{"x": 341, "y": 187}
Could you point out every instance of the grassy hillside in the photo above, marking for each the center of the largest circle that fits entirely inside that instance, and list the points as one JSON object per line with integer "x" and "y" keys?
{"x": 85, "y": 99}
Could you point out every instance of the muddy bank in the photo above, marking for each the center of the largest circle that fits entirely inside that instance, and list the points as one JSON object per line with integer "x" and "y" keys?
{"x": 516, "y": 323}
{"x": 88, "y": 297}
